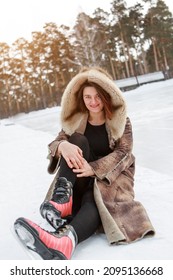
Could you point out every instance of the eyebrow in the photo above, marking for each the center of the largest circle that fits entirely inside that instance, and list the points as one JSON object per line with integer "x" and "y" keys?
{"x": 90, "y": 95}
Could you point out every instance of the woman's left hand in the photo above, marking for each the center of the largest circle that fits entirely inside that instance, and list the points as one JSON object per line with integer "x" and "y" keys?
{"x": 84, "y": 171}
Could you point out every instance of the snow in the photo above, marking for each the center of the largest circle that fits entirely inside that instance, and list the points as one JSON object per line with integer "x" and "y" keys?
{"x": 24, "y": 179}
{"x": 141, "y": 79}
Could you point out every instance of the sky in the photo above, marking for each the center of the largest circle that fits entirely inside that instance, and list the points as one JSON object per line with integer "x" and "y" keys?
{"x": 24, "y": 179}
{"x": 18, "y": 18}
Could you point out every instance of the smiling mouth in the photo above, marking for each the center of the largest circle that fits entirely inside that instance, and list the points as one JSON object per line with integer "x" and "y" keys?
{"x": 94, "y": 106}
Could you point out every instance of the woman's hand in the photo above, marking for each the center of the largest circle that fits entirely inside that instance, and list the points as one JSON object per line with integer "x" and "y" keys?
{"x": 72, "y": 154}
{"x": 84, "y": 171}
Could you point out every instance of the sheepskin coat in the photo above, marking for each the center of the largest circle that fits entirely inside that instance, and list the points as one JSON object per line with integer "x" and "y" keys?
{"x": 124, "y": 220}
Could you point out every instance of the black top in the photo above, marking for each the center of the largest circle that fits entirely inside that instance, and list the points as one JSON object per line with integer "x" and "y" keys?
{"x": 98, "y": 139}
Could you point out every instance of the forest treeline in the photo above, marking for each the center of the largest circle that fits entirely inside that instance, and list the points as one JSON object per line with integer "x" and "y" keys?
{"x": 125, "y": 41}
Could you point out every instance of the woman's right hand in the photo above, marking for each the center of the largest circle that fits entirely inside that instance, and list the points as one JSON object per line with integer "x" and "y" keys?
{"x": 72, "y": 154}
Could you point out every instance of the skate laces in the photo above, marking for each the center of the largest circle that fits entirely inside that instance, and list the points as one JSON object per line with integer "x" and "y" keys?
{"x": 61, "y": 231}
{"x": 62, "y": 190}
{"x": 67, "y": 230}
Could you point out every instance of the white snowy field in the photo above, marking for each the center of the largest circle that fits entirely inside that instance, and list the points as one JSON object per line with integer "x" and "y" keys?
{"x": 24, "y": 179}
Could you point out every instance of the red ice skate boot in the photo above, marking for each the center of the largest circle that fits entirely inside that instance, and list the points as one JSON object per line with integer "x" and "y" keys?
{"x": 59, "y": 208}
{"x": 58, "y": 245}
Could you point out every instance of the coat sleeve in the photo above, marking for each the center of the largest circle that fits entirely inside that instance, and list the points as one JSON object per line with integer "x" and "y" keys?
{"x": 109, "y": 167}
{"x": 52, "y": 147}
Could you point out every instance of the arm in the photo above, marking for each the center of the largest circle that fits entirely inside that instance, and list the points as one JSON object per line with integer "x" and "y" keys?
{"x": 53, "y": 146}
{"x": 70, "y": 152}
{"x": 53, "y": 155}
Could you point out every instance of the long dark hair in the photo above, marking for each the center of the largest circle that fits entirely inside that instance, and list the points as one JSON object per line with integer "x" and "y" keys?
{"x": 104, "y": 96}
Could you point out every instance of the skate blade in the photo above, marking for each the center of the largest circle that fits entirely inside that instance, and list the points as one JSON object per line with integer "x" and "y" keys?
{"x": 28, "y": 253}
{"x": 31, "y": 241}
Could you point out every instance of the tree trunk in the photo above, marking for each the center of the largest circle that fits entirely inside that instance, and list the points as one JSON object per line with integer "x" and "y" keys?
{"x": 155, "y": 55}
{"x": 130, "y": 62}
{"x": 145, "y": 66}
{"x": 165, "y": 59}
{"x": 125, "y": 56}
{"x": 112, "y": 68}
{"x": 43, "y": 99}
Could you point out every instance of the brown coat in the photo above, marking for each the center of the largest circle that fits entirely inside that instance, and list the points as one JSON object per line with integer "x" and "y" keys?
{"x": 124, "y": 220}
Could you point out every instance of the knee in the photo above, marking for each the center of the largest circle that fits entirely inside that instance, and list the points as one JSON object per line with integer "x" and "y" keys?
{"x": 78, "y": 139}
{"x": 82, "y": 142}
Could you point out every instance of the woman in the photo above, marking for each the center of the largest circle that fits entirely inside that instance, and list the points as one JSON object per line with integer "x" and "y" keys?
{"x": 94, "y": 165}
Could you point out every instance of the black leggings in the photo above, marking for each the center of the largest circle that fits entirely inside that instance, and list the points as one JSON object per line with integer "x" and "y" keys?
{"x": 85, "y": 214}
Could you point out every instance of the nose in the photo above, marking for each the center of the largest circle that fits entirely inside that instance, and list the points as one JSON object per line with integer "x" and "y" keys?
{"x": 93, "y": 101}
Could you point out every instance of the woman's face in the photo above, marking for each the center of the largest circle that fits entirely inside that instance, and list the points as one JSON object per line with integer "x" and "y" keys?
{"x": 92, "y": 100}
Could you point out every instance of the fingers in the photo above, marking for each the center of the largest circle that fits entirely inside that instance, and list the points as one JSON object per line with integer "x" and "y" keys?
{"x": 73, "y": 155}
{"x": 69, "y": 163}
{"x": 85, "y": 171}
{"x": 75, "y": 162}
{"x": 80, "y": 152}
{"x": 80, "y": 172}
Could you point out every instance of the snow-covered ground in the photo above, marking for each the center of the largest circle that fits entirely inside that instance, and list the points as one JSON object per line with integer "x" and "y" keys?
{"x": 24, "y": 179}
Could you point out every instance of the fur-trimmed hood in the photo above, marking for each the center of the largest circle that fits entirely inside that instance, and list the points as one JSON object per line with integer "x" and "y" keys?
{"x": 68, "y": 103}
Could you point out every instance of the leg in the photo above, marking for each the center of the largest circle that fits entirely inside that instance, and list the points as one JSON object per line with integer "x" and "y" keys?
{"x": 87, "y": 219}
{"x": 58, "y": 201}
{"x": 59, "y": 245}
{"x": 82, "y": 142}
